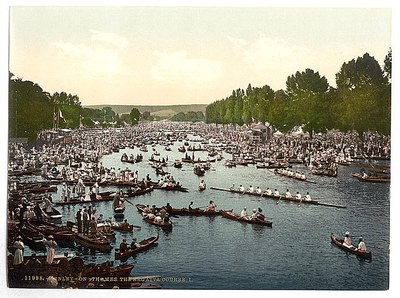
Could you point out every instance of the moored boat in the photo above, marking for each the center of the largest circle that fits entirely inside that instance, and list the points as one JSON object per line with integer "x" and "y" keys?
{"x": 339, "y": 243}
{"x": 96, "y": 242}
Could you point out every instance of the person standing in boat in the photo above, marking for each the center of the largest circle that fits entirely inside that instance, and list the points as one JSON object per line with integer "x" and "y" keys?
{"x": 191, "y": 206}
{"x": 79, "y": 220}
{"x": 19, "y": 251}
{"x": 51, "y": 249}
{"x": 85, "y": 220}
{"x": 347, "y": 240}
{"x": 361, "y": 245}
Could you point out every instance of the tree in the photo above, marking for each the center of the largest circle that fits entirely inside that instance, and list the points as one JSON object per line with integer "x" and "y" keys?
{"x": 387, "y": 68}
{"x": 363, "y": 96}
{"x": 306, "y": 93}
{"x": 134, "y": 116}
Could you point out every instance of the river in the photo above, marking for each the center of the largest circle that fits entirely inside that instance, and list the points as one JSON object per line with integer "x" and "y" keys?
{"x": 217, "y": 253}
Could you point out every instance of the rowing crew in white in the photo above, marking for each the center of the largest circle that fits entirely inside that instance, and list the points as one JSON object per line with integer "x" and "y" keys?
{"x": 269, "y": 192}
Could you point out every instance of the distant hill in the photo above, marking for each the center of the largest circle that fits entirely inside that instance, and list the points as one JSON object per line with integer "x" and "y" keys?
{"x": 166, "y": 111}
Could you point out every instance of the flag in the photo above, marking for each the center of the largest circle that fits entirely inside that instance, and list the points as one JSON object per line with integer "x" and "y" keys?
{"x": 61, "y": 115}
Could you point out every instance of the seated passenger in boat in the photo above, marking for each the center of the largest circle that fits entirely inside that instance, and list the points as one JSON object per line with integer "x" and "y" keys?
{"x": 361, "y": 245}
{"x": 123, "y": 247}
{"x": 347, "y": 240}
{"x": 125, "y": 223}
{"x": 254, "y": 214}
{"x": 158, "y": 218}
{"x": 134, "y": 244}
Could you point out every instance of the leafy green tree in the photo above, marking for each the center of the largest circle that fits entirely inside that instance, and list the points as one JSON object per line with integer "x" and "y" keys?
{"x": 30, "y": 109}
{"x": 306, "y": 92}
{"x": 134, "y": 116}
{"x": 363, "y": 96}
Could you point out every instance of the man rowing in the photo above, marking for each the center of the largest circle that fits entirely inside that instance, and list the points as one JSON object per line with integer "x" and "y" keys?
{"x": 211, "y": 206}
{"x": 288, "y": 194}
{"x": 347, "y": 240}
{"x": 361, "y": 245}
{"x": 243, "y": 213}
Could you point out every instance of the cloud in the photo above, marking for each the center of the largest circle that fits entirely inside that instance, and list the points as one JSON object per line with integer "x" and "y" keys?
{"x": 178, "y": 67}
{"x": 101, "y": 58}
{"x": 110, "y": 38}
{"x": 272, "y": 60}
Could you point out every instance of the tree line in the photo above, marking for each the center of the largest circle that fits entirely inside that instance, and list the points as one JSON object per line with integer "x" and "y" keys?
{"x": 31, "y": 110}
{"x": 360, "y": 102}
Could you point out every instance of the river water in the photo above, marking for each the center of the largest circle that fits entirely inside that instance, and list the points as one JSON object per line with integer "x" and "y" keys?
{"x": 217, "y": 253}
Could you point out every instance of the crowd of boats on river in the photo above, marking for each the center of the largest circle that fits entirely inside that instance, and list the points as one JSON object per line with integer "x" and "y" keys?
{"x": 59, "y": 171}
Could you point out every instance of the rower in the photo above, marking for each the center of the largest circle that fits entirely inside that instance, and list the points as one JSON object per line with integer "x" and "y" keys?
{"x": 298, "y": 196}
{"x": 243, "y": 213}
{"x": 241, "y": 188}
{"x": 288, "y": 194}
{"x": 123, "y": 246}
{"x": 232, "y": 187}
{"x": 134, "y": 244}
{"x": 276, "y": 193}
{"x": 168, "y": 207}
{"x": 251, "y": 189}
{"x": 269, "y": 191}
{"x": 347, "y": 240}
{"x": 361, "y": 245}
{"x": 258, "y": 190}
{"x": 211, "y": 206}
{"x": 308, "y": 197}
{"x": 259, "y": 214}
{"x": 254, "y": 215}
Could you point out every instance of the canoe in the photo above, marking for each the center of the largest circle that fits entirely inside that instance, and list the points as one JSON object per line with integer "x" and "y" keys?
{"x": 229, "y": 214}
{"x": 144, "y": 245}
{"x": 339, "y": 243}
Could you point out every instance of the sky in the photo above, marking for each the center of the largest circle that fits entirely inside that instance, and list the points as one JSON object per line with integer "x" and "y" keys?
{"x": 152, "y": 55}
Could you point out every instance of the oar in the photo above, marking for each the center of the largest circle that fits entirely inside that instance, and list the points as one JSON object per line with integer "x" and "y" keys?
{"x": 126, "y": 200}
{"x": 278, "y": 200}
{"x": 301, "y": 199}
{"x": 138, "y": 227}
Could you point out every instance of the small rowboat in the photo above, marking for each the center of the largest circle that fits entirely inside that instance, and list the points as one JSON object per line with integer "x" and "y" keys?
{"x": 373, "y": 179}
{"x": 229, "y": 214}
{"x": 339, "y": 243}
{"x": 195, "y": 212}
{"x": 121, "y": 227}
{"x": 95, "y": 242}
{"x": 144, "y": 245}
{"x": 164, "y": 225}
